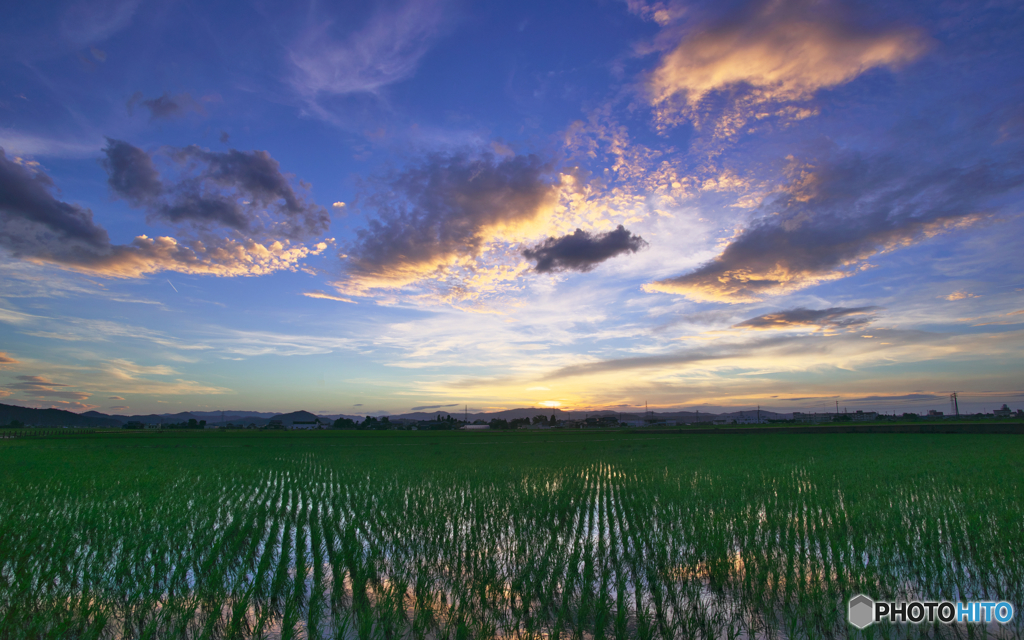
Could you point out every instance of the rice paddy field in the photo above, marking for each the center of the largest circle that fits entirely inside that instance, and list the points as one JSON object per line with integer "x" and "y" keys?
{"x": 502, "y": 535}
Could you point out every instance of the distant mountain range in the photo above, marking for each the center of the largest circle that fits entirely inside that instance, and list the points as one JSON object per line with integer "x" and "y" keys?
{"x": 59, "y": 417}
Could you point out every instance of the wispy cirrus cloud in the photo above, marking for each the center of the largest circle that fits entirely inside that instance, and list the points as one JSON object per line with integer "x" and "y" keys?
{"x": 42, "y": 387}
{"x": 832, "y": 318}
{"x": 90, "y": 22}
{"x": 434, "y": 406}
{"x": 328, "y": 62}
{"x": 837, "y": 213}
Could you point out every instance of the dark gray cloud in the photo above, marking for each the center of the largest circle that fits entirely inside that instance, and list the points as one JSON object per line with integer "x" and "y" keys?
{"x": 38, "y": 227}
{"x": 29, "y": 214}
{"x": 165, "y": 106}
{"x": 40, "y": 387}
{"x": 909, "y": 397}
{"x": 840, "y": 211}
{"x": 434, "y": 406}
{"x": 244, "y": 191}
{"x": 444, "y": 209}
{"x": 131, "y": 173}
{"x": 833, "y": 318}
{"x": 582, "y": 251}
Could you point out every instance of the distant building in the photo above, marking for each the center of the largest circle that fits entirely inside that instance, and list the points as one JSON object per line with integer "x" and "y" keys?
{"x": 932, "y": 413}
{"x": 305, "y": 424}
{"x": 1004, "y": 412}
{"x": 799, "y": 416}
{"x": 863, "y": 416}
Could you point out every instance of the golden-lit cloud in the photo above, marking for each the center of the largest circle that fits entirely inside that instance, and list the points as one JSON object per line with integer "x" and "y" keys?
{"x": 434, "y": 221}
{"x": 815, "y": 319}
{"x": 834, "y": 215}
{"x": 960, "y": 295}
{"x": 6, "y": 360}
{"x": 37, "y": 227}
{"x": 326, "y": 296}
{"x": 42, "y": 387}
{"x": 783, "y": 50}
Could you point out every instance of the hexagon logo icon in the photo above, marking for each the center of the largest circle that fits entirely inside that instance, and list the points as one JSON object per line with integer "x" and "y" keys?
{"x": 862, "y": 610}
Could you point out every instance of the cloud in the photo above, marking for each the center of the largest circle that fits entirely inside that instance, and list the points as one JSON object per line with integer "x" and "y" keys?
{"x": 96, "y": 20}
{"x": 123, "y": 408}
{"x": 6, "y": 359}
{"x": 387, "y": 49}
{"x": 166, "y": 106}
{"x": 326, "y": 296}
{"x": 131, "y": 173}
{"x": 833, "y": 318}
{"x": 128, "y": 370}
{"x": 26, "y": 202}
{"x": 19, "y": 142}
{"x": 784, "y": 50}
{"x": 36, "y": 226}
{"x": 115, "y": 398}
{"x": 909, "y": 397}
{"x": 582, "y": 251}
{"x": 434, "y": 406}
{"x": 835, "y": 215}
{"x": 244, "y": 191}
{"x": 67, "y": 405}
{"x": 40, "y": 387}
{"x": 444, "y": 212}
{"x": 960, "y": 295}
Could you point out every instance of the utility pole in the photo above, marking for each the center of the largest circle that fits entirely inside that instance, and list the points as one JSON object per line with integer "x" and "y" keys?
{"x": 758, "y": 414}
{"x": 953, "y": 401}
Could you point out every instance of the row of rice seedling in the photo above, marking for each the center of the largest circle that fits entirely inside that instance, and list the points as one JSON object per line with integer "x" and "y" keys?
{"x": 310, "y": 545}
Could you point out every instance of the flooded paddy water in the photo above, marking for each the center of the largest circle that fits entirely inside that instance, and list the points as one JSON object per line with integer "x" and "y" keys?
{"x": 706, "y": 537}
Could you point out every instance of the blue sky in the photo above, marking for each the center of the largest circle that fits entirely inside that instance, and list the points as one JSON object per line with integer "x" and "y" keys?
{"x": 360, "y": 208}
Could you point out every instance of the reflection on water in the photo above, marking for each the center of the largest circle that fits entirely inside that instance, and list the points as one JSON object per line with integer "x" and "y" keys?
{"x": 310, "y": 551}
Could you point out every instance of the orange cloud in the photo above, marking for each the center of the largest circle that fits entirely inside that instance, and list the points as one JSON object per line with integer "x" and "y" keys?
{"x": 435, "y": 220}
{"x": 146, "y": 255}
{"x": 785, "y": 50}
{"x": 960, "y": 295}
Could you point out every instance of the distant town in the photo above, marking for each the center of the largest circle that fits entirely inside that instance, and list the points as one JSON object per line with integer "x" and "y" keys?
{"x": 15, "y": 417}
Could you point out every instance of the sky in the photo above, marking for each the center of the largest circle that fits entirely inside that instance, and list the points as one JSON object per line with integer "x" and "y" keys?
{"x": 367, "y": 208}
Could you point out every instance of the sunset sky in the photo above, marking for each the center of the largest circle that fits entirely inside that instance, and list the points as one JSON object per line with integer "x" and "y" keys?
{"x": 361, "y": 208}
